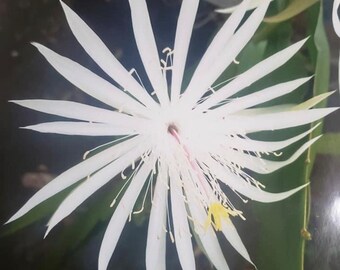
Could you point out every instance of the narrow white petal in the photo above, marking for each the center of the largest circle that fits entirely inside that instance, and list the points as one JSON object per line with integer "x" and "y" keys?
{"x": 80, "y": 111}
{"x": 103, "y": 57}
{"x": 156, "y": 241}
{"x": 253, "y": 4}
{"x": 246, "y": 189}
{"x": 180, "y": 221}
{"x": 147, "y": 48}
{"x": 264, "y": 166}
{"x": 310, "y": 103}
{"x": 90, "y": 83}
{"x": 264, "y": 146}
{"x": 92, "y": 184}
{"x": 77, "y": 173}
{"x": 260, "y": 97}
{"x": 335, "y": 17}
{"x": 207, "y": 235}
{"x": 274, "y": 121}
{"x": 81, "y": 128}
{"x": 218, "y": 44}
{"x": 185, "y": 24}
{"x": 259, "y": 195}
{"x": 229, "y": 53}
{"x": 251, "y": 75}
{"x": 234, "y": 239}
{"x": 119, "y": 217}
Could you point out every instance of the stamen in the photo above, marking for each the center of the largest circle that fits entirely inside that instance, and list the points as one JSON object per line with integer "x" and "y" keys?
{"x": 134, "y": 71}
{"x": 236, "y": 62}
{"x": 216, "y": 214}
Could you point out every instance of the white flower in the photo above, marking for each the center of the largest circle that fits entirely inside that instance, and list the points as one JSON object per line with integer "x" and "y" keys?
{"x": 188, "y": 145}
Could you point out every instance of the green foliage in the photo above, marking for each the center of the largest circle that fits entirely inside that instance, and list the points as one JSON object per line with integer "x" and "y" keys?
{"x": 294, "y": 8}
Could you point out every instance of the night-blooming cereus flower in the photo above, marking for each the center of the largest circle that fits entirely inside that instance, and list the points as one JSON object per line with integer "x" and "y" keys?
{"x": 187, "y": 147}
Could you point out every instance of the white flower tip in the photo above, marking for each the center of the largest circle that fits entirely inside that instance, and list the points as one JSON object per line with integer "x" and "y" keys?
{"x": 47, "y": 232}
{"x": 35, "y": 44}
{"x": 10, "y": 220}
{"x": 65, "y": 7}
{"x": 27, "y": 127}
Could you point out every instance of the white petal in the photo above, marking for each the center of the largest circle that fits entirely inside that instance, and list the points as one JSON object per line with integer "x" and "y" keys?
{"x": 246, "y": 189}
{"x": 264, "y": 166}
{"x": 287, "y": 107}
{"x": 234, "y": 239}
{"x": 180, "y": 222}
{"x": 76, "y": 173}
{"x": 119, "y": 217}
{"x": 274, "y": 121}
{"x": 80, "y": 111}
{"x": 90, "y": 83}
{"x": 264, "y": 146}
{"x": 229, "y": 53}
{"x": 335, "y": 17}
{"x": 147, "y": 48}
{"x": 256, "y": 194}
{"x": 81, "y": 128}
{"x": 251, "y": 75}
{"x": 185, "y": 24}
{"x": 311, "y": 102}
{"x": 214, "y": 50}
{"x": 207, "y": 235}
{"x": 103, "y": 57}
{"x": 92, "y": 184}
{"x": 260, "y": 97}
{"x": 156, "y": 241}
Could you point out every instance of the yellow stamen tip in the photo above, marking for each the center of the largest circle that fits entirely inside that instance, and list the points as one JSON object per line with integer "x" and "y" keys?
{"x": 216, "y": 214}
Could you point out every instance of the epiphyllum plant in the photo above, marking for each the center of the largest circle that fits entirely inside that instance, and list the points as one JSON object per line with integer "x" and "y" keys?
{"x": 184, "y": 145}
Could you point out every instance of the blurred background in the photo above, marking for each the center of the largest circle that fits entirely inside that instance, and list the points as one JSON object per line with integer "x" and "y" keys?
{"x": 272, "y": 233}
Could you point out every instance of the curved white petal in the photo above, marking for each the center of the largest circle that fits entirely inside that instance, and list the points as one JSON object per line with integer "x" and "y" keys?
{"x": 147, "y": 48}
{"x": 264, "y": 166}
{"x": 260, "y": 97}
{"x": 119, "y": 217}
{"x": 335, "y": 17}
{"x": 156, "y": 241}
{"x": 207, "y": 235}
{"x": 92, "y": 184}
{"x": 251, "y": 75}
{"x": 238, "y": 184}
{"x": 81, "y": 128}
{"x": 185, "y": 24}
{"x": 91, "y": 83}
{"x": 180, "y": 221}
{"x": 103, "y": 57}
{"x": 311, "y": 102}
{"x": 229, "y": 53}
{"x": 287, "y": 107}
{"x": 75, "y": 110}
{"x": 218, "y": 44}
{"x": 274, "y": 121}
{"x": 264, "y": 146}
{"x": 77, "y": 173}
{"x": 234, "y": 239}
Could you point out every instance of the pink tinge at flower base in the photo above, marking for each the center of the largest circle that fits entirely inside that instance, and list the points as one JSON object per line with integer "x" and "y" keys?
{"x": 187, "y": 146}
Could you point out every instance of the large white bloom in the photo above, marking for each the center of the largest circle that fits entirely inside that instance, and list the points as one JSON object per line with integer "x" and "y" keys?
{"x": 191, "y": 146}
